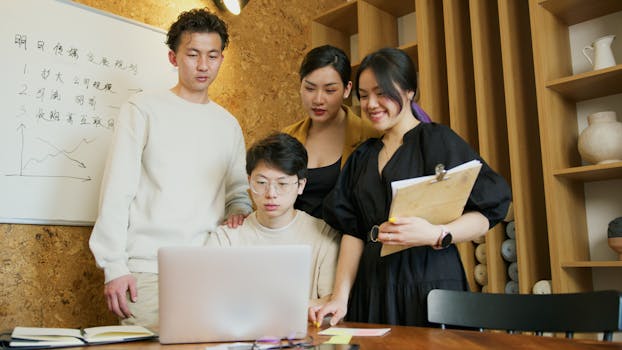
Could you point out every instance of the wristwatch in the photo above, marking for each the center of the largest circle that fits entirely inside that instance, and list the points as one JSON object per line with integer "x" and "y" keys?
{"x": 444, "y": 240}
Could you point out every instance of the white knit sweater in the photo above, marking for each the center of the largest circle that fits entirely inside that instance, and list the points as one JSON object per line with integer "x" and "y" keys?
{"x": 175, "y": 170}
{"x": 303, "y": 229}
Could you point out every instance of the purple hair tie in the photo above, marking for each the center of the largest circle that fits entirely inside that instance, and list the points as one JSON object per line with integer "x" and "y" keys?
{"x": 420, "y": 114}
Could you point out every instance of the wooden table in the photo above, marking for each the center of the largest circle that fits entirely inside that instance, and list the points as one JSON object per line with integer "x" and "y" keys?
{"x": 413, "y": 338}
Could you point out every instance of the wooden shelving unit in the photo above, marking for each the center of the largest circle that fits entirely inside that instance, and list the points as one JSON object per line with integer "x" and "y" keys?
{"x": 462, "y": 117}
{"x": 589, "y": 85}
{"x": 431, "y": 55}
{"x": 411, "y": 50}
{"x": 475, "y": 75}
{"x": 588, "y": 173}
{"x": 524, "y": 144}
{"x": 558, "y": 91}
{"x": 396, "y": 8}
{"x": 577, "y": 11}
{"x": 591, "y": 264}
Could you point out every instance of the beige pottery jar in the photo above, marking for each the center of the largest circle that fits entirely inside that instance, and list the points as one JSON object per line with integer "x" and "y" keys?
{"x": 601, "y": 141}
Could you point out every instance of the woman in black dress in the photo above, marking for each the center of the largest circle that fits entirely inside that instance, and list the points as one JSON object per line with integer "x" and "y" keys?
{"x": 393, "y": 289}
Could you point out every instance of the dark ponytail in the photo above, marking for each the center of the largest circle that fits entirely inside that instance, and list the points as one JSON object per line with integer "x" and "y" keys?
{"x": 393, "y": 67}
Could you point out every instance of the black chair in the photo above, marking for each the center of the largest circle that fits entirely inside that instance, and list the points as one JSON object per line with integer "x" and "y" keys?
{"x": 576, "y": 312}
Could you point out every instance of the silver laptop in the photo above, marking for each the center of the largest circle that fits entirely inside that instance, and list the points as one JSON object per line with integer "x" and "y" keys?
{"x": 233, "y": 294}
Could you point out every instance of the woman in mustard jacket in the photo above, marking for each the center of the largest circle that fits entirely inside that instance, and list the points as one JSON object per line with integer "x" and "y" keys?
{"x": 331, "y": 131}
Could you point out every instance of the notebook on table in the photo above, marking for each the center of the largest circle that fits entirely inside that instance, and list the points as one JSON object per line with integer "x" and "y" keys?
{"x": 41, "y": 337}
{"x": 211, "y": 294}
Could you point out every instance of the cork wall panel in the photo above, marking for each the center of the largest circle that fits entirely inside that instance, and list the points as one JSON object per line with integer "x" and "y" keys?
{"x": 49, "y": 278}
{"x": 48, "y": 275}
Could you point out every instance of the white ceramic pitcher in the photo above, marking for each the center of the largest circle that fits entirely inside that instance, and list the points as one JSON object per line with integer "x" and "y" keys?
{"x": 601, "y": 49}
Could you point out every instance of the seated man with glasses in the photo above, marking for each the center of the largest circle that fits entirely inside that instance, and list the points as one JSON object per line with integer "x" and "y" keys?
{"x": 277, "y": 170}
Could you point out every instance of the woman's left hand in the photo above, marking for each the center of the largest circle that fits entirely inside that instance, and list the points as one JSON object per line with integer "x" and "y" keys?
{"x": 410, "y": 231}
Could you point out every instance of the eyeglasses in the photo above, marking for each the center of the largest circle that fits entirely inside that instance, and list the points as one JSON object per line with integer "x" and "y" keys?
{"x": 267, "y": 343}
{"x": 261, "y": 186}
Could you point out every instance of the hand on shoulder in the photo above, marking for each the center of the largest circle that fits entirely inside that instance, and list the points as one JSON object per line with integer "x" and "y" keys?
{"x": 235, "y": 220}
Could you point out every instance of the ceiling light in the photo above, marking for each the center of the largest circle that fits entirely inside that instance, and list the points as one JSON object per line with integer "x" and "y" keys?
{"x": 233, "y": 6}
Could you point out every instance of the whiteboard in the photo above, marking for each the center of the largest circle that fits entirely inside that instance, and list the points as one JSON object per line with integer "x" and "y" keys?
{"x": 66, "y": 70}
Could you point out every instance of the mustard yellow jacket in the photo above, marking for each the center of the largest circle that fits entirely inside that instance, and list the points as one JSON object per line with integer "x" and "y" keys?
{"x": 357, "y": 131}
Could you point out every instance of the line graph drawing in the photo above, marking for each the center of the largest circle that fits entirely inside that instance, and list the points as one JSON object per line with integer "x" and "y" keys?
{"x": 58, "y": 152}
{"x": 54, "y": 153}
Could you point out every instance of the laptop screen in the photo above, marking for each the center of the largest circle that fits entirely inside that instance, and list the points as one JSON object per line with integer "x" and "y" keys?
{"x": 233, "y": 294}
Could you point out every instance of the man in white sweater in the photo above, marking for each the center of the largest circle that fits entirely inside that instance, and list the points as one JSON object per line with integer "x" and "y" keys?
{"x": 175, "y": 171}
{"x": 277, "y": 171}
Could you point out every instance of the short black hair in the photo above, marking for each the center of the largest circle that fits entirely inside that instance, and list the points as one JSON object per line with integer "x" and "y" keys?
{"x": 280, "y": 151}
{"x": 327, "y": 55}
{"x": 197, "y": 21}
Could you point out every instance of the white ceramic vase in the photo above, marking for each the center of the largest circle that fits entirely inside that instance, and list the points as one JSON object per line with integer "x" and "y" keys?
{"x": 542, "y": 287}
{"x": 601, "y": 141}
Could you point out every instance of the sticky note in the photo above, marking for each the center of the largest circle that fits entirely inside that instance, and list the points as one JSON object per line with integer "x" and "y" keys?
{"x": 358, "y": 332}
{"x": 339, "y": 339}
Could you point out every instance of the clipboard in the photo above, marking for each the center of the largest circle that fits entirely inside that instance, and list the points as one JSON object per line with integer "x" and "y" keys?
{"x": 438, "y": 198}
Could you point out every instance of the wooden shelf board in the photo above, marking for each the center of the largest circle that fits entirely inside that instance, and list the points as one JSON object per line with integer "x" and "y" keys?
{"x": 342, "y": 18}
{"x": 396, "y": 8}
{"x": 589, "y": 173}
{"x": 588, "y": 85}
{"x": 577, "y": 11}
{"x": 411, "y": 50}
{"x": 573, "y": 264}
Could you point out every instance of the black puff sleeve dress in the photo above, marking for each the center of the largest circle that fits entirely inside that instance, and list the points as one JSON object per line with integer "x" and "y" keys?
{"x": 393, "y": 289}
